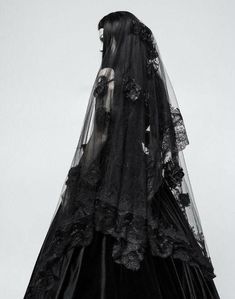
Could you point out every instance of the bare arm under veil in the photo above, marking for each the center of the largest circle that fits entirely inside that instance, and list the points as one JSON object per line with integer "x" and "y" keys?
{"x": 131, "y": 145}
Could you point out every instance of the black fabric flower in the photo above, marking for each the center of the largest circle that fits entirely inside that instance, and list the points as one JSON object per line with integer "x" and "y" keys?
{"x": 173, "y": 173}
{"x": 184, "y": 199}
{"x": 101, "y": 86}
{"x": 152, "y": 66}
{"x": 131, "y": 89}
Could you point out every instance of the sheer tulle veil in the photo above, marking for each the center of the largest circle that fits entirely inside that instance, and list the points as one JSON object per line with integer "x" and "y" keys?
{"x": 131, "y": 99}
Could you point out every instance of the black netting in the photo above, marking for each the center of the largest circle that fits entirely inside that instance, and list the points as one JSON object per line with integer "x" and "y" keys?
{"x": 129, "y": 156}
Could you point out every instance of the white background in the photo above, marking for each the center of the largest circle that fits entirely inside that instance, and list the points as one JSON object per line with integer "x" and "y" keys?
{"x": 49, "y": 57}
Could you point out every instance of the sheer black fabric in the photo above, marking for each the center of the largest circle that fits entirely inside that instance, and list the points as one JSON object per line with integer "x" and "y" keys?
{"x": 128, "y": 182}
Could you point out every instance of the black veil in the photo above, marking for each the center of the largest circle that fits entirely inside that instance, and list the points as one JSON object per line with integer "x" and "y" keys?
{"x": 131, "y": 144}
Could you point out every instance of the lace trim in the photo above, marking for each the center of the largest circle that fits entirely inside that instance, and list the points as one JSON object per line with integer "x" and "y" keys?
{"x": 133, "y": 91}
{"x": 132, "y": 231}
{"x": 132, "y": 234}
{"x": 181, "y": 138}
{"x": 146, "y": 35}
{"x": 180, "y": 131}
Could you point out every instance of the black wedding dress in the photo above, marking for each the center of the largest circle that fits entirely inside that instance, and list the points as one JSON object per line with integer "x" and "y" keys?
{"x": 126, "y": 225}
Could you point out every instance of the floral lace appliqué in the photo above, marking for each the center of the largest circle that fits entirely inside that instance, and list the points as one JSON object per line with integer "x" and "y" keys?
{"x": 181, "y": 138}
{"x": 101, "y": 86}
{"x": 131, "y": 89}
{"x": 145, "y": 34}
{"x": 152, "y": 66}
{"x": 180, "y": 131}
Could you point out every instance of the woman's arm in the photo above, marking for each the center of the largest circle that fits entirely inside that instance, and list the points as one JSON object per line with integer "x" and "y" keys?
{"x": 104, "y": 96}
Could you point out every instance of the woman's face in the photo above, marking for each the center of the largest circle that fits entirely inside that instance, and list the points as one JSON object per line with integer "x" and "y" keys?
{"x": 101, "y": 38}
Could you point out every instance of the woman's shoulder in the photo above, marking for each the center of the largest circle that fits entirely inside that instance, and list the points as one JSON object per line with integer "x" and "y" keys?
{"x": 105, "y": 82}
{"x": 108, "y": 72}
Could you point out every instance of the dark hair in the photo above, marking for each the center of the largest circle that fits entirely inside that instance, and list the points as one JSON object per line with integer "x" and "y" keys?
{"x": 116, "y": 16}
{"x": 121, "y": 48}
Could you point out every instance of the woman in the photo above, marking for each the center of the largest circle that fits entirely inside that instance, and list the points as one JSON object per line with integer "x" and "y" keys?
{"x": 126, "y": 225}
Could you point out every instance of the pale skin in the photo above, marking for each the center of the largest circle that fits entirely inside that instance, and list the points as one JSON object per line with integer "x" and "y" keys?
{"x": 101, "y": 38}
{"x": 108, "y": 72}
{"x": 98, "y": 138}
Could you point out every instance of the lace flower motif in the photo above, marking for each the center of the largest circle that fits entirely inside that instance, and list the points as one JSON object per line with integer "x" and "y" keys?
{"x": 180, "y": 131}
{"x": 181, "y": 136}
{"x": 101, "y": 86}
{"x": 131, "y": 89}
{"x": 145, "y": 34}
{"x": 152, "y": 66}
{"x": 143, "y": 31}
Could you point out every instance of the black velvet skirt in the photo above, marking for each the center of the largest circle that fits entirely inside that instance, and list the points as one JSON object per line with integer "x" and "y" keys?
{"x": 91, "y": 273}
